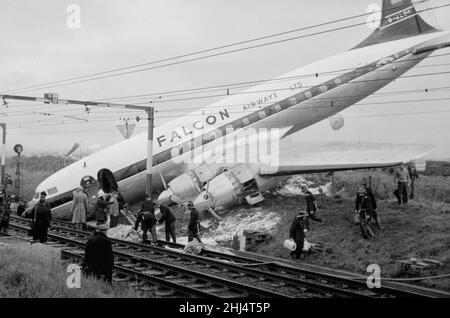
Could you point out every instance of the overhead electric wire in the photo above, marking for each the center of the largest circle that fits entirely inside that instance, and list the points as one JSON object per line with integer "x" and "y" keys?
{"x": 316, "y": 98}
{"x": 144, "y": 127}
{"x": 110, "y": 119}
{"x": 253, "y": 82}
{"x": 247, "y": 83}
{"x": 93, "y": 112}
{"x": 217, "y": 87}
{"x": 271, "y": 90}
{"x": 45, "y": 85}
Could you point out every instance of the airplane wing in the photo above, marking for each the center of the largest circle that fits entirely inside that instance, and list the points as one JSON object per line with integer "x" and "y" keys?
{"x": 336, "y": 156}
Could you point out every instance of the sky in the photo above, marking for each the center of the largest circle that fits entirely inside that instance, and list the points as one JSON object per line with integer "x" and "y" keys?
{"x": 41, "y": 42}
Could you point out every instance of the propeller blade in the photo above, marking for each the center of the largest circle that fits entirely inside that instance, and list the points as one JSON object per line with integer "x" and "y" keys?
{"x": 163, "y": 181}
{"x": 211, "y": 210}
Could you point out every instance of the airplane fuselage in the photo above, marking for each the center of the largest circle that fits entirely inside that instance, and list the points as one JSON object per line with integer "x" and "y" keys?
{"x": 291, "y": 102}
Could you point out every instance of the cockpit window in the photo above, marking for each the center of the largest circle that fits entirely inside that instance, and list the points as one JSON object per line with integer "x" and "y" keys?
{"x": 52, "y": 191}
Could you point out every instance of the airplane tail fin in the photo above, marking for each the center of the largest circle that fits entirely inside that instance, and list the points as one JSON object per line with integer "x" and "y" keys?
{"x": 399, "y": 19}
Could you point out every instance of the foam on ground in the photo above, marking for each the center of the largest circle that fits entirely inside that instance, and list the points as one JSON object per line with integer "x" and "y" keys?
{"x": 292, "y": 187}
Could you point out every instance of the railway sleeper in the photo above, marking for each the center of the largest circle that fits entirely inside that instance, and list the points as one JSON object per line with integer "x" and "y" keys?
{"x": 237, "y": 274}
{"x": 164, "y": 292}
{"x": 182, "y": 281}
{"x": 154, "y": 272}
{"x": 147, "y": 288}
{"x": 201, "y": 285}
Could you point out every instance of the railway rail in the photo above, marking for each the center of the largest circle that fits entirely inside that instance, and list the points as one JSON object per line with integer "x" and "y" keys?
{"x": 247, "y": 276}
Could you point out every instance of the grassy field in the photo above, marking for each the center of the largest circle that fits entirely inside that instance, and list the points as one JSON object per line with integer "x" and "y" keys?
{"x": 421, "y": 229}
{"x": 34, "y": 271}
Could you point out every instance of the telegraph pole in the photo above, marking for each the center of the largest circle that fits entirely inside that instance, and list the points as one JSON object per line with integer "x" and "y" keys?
{"x": 3, "y": 125}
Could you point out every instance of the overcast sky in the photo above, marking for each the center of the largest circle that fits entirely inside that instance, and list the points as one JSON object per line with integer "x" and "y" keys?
{"x": 39, "y": 47}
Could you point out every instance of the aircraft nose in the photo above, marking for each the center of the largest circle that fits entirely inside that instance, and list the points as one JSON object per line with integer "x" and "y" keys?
{"x": 203, "y": 201}
{"x": 165, "y": 197}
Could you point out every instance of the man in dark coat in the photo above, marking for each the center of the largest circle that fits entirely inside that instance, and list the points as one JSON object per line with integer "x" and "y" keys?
{"x": 42, "y": 214}
{"x": 169, "y": 219}
{"x": 5, "y": 213}
{"x": 98, "y": 255}
{"x": 146, "y": 218}
{"x": 297, "y": 234}
{"x": 22, "y": 207}
{"x": 413, "y": 175}
{"x": 194, "y": 221}
{"x": 101, "y": 210}
{"x": 372, "y": 213}
{"x": 311, "y": 207}
{"x": 363, "y": 207}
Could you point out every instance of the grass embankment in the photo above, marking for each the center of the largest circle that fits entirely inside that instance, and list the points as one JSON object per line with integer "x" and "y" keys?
{"x": 36, "y": 271}
{"x": 421, "y": 229}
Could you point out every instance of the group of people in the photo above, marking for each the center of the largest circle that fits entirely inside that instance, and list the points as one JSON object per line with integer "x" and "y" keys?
{"x": 147, "y": 219}
{"x": 365, "y": 207}
{"x": 98, "y": 256}
{"x": 108, "y": 208}
{"x": 106, "y": 211}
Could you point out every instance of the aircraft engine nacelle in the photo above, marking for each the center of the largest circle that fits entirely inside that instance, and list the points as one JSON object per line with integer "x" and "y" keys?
{"x": 226, "y": 189}
{"x": 188, "y": 185}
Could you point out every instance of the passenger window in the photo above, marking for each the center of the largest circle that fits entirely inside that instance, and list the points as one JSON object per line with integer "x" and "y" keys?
{"x": 52, "y": 191}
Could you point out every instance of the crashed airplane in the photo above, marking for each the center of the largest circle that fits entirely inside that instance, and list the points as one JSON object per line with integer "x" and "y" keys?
{"x": 193, "y": 162}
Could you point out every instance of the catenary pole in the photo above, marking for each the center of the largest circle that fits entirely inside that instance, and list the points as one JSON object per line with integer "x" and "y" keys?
{"x": 53, "y": 99}
{"x": 150, "y": 119}
{"x": 3, "y": 125}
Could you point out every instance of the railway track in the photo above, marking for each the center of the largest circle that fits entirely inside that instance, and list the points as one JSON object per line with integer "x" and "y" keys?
{"x": 222, "y": 274}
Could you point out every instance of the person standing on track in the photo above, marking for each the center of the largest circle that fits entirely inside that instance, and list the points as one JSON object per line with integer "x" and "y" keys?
{"x": 42, "y": 215}
{"x": 194, "y": 223}
{"x": 80, "y": 208}
{"x": 169, "y": 221}
{"x": 114, "y": 211}
{"x": 5, "y": 213}
{"x": 101, "y": 210}
{"x": 146, "y": 217}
